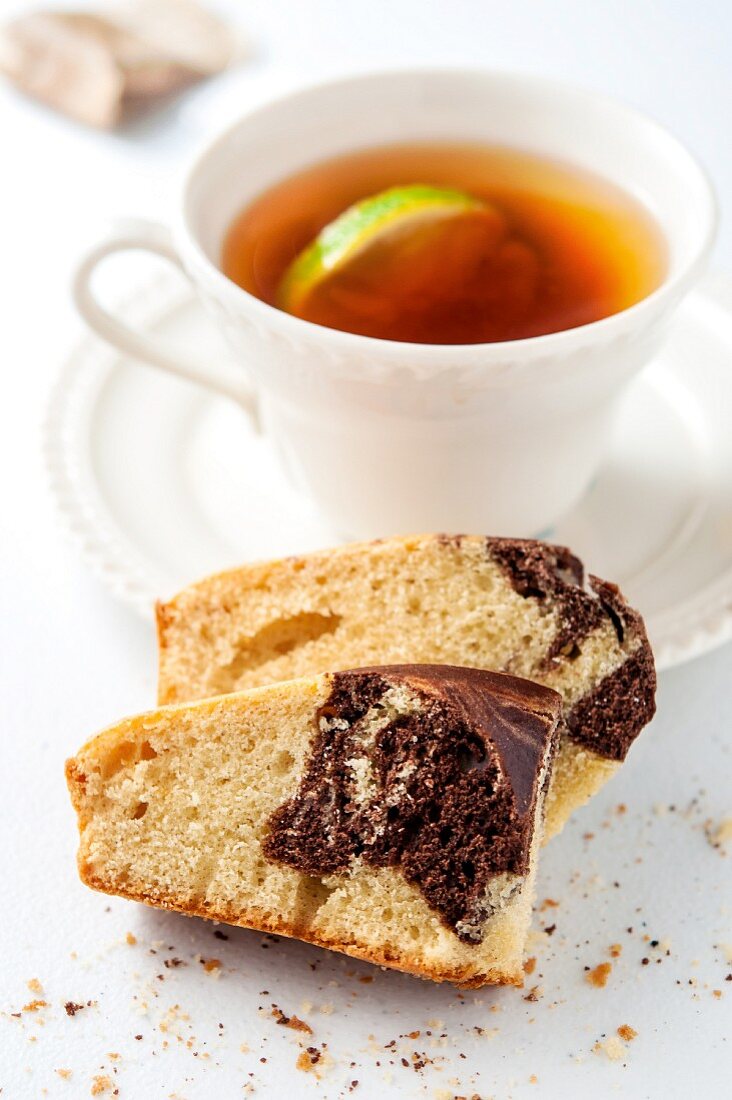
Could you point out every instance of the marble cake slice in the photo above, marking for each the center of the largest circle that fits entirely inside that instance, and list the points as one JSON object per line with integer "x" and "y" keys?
{"x": 390, "y": 813}
{"x": 519, "y": 606}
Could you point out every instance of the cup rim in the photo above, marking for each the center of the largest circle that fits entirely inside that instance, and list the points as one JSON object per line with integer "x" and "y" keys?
{"x": 674, "y": 285}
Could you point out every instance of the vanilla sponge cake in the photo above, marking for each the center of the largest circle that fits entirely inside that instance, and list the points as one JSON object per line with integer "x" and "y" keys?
{"x": 518, "y": 606}
{"x": 390, "y": 813}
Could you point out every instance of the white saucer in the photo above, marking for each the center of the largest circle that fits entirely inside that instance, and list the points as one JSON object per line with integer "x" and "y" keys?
{"x": 160, "y": 483}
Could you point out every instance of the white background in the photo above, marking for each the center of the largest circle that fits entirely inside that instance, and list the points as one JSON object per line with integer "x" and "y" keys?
{"x": 72, "y": 660}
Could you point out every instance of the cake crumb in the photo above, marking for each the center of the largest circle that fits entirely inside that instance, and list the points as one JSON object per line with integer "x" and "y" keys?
{"x": 101, "y": 1083}
{"x": 720, "y": 835}
{"x": 326, "y": 1009}
{"x": 293, "y": 1022}
{"x": 625, "y": 1031}
{"x": 244, "y": 1048}
{"x": 530, "y": 965}
{"x": 308, "y": 1059}
{"x": 616, "y": 950}
{"x": 212, "y": 966}
{"x": 65, "y": 1073}
{"x": 612, "y": 1048}
{"x": 130, "y": 939}
{"x": 533, "y": 1080}
{"x": 599, "y": 976}
{"x": 34, "y": 1005}
{"x": 548, "y": 903}
{"x": 34, "y": 986}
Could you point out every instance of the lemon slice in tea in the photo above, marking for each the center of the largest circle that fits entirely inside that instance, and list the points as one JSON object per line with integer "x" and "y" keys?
{"x": 377, "y": 222}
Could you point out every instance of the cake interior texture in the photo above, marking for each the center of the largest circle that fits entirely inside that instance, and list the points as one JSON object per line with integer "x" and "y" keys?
{"x": 391, "y": 813}
{"x": 518, "y": 606}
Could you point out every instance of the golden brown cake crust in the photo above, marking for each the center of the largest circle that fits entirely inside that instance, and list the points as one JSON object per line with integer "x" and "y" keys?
{"x": 404, "y": 963}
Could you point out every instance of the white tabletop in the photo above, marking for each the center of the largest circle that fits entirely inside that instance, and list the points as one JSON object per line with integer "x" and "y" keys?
{"x": 71, "y": 660}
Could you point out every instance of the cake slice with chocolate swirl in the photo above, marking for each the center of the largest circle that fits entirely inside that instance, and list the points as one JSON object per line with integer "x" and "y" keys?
{"x": 391, "y": 813}
{"x": 519, "y": 606}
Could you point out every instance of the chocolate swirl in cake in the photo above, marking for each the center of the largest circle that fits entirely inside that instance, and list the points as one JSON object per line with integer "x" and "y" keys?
{"x": 610, "y": 716}
{"x": 432, "y": 769}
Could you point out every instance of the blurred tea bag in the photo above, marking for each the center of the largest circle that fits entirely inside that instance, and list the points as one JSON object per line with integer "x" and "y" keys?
{"x": 100, "y": 68}
{"x": 183, "y": 29}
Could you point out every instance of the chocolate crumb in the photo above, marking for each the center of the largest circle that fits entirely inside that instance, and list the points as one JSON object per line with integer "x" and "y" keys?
{"x": 71, "y": 1008}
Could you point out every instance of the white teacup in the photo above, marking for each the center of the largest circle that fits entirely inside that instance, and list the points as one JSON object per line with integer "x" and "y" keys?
{"x": 391, "y": 437}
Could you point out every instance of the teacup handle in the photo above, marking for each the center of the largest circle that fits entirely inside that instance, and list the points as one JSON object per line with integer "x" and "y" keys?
{"x": 135, "y": 234}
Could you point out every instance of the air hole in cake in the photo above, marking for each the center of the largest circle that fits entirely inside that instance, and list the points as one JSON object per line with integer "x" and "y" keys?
{"x": 126, "y": 753}
{"x": 618, "y": 624}
{"x": 472, "y": 756}
{"x": 569, "y": 574}
{"x": 312, "y": 894}
{"x": 283, "y": 763}
{"x": 277, "y": 639}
